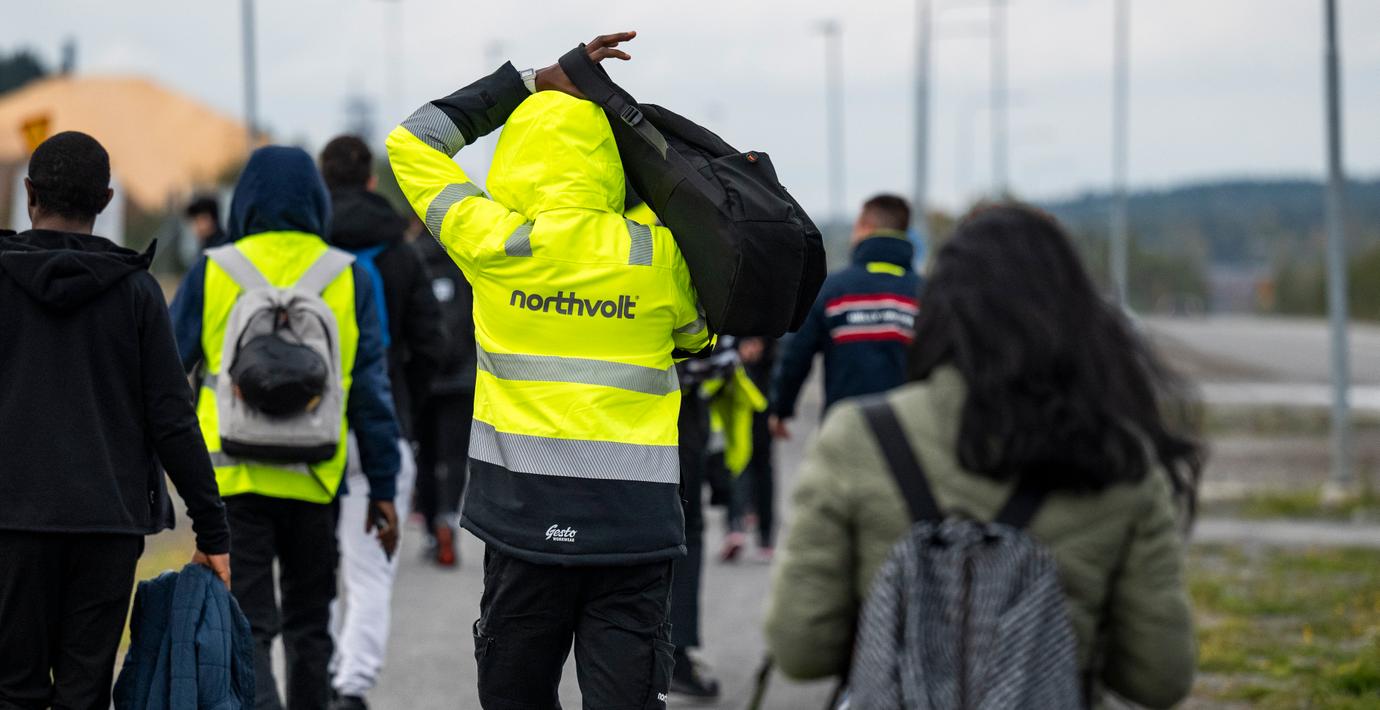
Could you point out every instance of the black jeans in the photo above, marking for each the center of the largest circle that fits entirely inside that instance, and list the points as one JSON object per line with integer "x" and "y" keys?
{"x": 529, "y": 614}
{"x": 301, "y": 536}
{"x": 443, "y": 453}
{"x": 63, "y": 601}
{"x": 693, "y": 428}
{"x": 754, "y": 489}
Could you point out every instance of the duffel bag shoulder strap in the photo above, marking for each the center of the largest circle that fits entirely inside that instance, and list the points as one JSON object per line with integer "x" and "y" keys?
{"x": 595, "y": 84}
{"x": 591, "y": 79}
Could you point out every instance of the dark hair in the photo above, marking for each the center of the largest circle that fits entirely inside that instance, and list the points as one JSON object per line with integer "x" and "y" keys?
{"x": 888, "y": 211}
{"x": 1060, "y": 386}
{"x": 346, "y": 162}
{"x": 70, "y": 173}
{"x": 204, "y": 205}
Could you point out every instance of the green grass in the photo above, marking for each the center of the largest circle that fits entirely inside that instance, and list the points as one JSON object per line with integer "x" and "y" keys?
{"x": 1288, "y": 629}
{"x": 1299, "y": 504}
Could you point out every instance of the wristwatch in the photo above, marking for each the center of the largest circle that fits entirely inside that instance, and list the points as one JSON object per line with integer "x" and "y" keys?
{"x": 529, "y": 79}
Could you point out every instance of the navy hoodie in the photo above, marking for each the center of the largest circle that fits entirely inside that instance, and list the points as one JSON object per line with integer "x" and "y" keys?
{"x": 280, "y": 190}
{"x": 863, "y": 321}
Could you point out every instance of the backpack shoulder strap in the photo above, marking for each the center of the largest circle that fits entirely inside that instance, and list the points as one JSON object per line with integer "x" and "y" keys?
{"x": 238, "y": 267}
{"x": 1023, "y": 504}
{"x": 901, "y": 460}
{"x": 327, "y": 267}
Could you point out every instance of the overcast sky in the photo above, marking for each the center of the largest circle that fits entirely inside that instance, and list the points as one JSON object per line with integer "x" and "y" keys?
{"x": 1218, "y": 87}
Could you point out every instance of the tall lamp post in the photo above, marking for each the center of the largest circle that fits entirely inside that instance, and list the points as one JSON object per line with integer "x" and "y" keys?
{"x": 922, "y": 115}
{"x": 1120, "y": 243}
{"x": 833, "y": 70}
{"x": 251, "y": 100}
{"x": 1333, "y": 216}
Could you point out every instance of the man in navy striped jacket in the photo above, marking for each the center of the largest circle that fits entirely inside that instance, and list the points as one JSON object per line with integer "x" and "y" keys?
{"x": 863, "y": 320}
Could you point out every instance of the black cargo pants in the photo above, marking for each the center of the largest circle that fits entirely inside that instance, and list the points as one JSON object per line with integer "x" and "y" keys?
{"x": 616, "y": 616}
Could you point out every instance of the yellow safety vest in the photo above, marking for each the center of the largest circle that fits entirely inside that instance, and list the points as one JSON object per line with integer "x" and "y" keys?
{"x": 282, "y": 257}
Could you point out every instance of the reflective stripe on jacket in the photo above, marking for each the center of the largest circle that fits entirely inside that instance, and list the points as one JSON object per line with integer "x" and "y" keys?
{"x": 576, "y": 312}
{"x": 282, "y": 257}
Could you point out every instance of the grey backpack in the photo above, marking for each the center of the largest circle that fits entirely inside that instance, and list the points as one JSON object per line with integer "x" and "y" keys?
{"x": 963, "y": 614}
{"x": 279, "y": 394}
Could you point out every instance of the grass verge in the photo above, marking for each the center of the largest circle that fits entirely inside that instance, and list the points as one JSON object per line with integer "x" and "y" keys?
{"x": 1287, "y": 628}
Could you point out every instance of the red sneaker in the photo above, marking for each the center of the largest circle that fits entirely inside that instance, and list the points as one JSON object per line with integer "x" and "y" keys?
{"x": 733, "y": 546}
{"x": 446, "y": 555}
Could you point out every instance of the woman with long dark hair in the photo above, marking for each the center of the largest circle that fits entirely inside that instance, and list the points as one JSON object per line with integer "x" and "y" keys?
{"x": 1021, "y": 373}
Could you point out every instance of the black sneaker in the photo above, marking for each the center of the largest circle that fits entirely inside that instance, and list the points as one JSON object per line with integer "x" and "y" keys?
{"x": 690, "y": 682}
{"x": 349, "y": 702}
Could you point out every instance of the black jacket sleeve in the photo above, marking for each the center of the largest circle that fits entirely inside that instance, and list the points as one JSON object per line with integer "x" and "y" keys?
{"x": 172, "y": 423}
{"x": 486, "y": 104}
{"x": 424, "y": 329}
{"x": 797, "y": 358}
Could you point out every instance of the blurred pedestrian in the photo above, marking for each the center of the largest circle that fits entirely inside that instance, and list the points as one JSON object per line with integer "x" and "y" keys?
{"x": 1021, "y": 374}
{"x": 366, "y": 225}
{"x": 574, "y": 476}
{"x": 94, "y": 408}
{"x": 863, "y": 319}
{"x": 443, "y": 424}
{"x": 751, "y": 497}
{"x": 277, "y": 394}
{"x": 204, "y": 214}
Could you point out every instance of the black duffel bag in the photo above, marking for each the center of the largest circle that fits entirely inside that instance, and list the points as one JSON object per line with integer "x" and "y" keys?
{"x": 755, "y": 257}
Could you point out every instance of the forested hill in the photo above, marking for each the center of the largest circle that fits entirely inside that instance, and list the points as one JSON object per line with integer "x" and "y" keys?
{"x": 1238, "y": 221}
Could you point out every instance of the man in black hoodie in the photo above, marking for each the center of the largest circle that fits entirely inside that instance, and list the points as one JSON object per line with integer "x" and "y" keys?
{"x": 363, "y": 223}
{"x": 92, "y": 399}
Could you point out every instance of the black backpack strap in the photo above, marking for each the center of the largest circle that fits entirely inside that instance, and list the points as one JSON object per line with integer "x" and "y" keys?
{"x": 901, "y": 460}
{"x": 1023, "y": 504}
{"x": 595, "y": 84}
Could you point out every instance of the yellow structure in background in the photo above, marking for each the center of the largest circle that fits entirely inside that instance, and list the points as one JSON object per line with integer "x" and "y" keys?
{"x": 162, "y": 144}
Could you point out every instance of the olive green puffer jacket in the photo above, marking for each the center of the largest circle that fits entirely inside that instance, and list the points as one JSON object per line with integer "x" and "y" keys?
{"x": 1120, "y": 552}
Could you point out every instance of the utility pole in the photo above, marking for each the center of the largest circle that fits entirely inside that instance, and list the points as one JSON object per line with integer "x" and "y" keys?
{"x": 1120, "y": 243}
{"x": 251, "y": 101}
{"x": 1000, "y": 128}
{"x": 833, "y": 70}
{"x": 922, "y": 116}
{"x": 1333, "y": 216}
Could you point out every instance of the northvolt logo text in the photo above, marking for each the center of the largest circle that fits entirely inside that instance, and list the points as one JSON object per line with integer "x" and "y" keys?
{"x": 572, "y": 305}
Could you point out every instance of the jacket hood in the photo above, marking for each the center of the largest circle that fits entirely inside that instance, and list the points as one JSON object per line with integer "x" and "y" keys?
{"x": 892, "y": 248}
{"x": 557, "y": 151}
{"x": 280, "y": 190}
{"x": 64, "y": 271}
{"x": 361, "y": 219}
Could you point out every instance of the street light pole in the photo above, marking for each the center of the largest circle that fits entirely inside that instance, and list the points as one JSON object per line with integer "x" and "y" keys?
{"x": 251, "y": 101}
{"x": 1120, "y": 116}
{"x": 1336, "y": 261}
{"x": 833, "y": 67}
{"x": 1000, "y": 128}
{"x": 922, "y": 115}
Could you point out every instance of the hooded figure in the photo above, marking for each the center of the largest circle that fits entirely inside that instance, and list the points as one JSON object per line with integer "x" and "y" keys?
{"x": 573, "y": 451}
{"x": 282, "y": 510}
{"x": 93, "y": 409}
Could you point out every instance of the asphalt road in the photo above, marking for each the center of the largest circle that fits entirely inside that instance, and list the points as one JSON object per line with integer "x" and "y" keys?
{"x": 1257, "y": 348}
{"x": 431, "y": 656}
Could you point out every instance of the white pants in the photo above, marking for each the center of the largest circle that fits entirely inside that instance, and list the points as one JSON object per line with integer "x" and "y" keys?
{"x": 366, "y": 576}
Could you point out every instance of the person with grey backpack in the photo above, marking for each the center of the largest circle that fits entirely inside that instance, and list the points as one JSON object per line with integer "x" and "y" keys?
{"x": 1011, "y": 521}
{"x": 287, "y": 335}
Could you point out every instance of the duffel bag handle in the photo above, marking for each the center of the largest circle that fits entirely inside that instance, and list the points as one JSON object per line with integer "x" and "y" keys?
{"x": 595, "y": 84}
{"x": 590, "y": 78}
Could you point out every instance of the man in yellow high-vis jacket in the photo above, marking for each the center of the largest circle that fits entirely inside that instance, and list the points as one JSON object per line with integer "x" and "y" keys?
{"x": 574, "y": 482}
{"x": 286, "y": 511}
